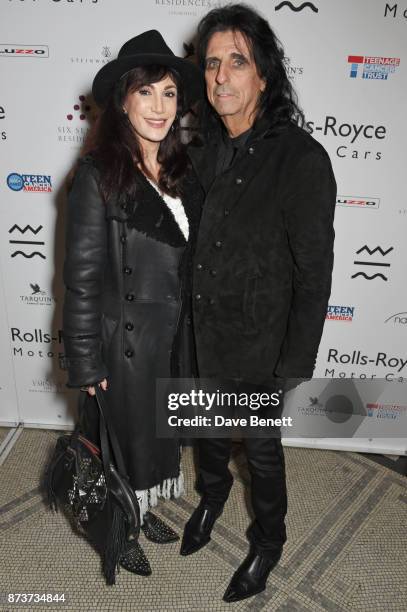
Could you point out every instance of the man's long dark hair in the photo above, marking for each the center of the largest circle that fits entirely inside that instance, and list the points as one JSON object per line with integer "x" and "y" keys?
{"x": 278, "y": 101}
{"x": 115, "y": 146}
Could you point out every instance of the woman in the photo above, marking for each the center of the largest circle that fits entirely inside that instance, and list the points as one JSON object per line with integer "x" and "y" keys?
{"x": 132, "y": 218}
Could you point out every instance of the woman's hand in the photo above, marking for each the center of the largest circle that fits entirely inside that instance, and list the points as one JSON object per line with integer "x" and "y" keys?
{"x": 91, "y": 390}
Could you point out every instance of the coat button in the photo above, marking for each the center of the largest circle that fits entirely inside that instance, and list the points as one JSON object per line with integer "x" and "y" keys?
{"x": 189, "y": 320}
{"x": 130, "y": 297}
{"x": 123, "y": 238}
{"x": 127, "y": 270}
{"x": 226, "y": 212}
{"x": 198, "y": 296}
{"x": 211, "y": 301}
{"x": 239, "y": 181}
{"x": 251, "y": 150}
{"x": 213, "y": 273}
{"x": 218, "y": 244}
{"x": 123, "y": 206}
{"x": 199, "y": 266}
{"x": 129, "y": 326}
{"x": 129, "y": 353}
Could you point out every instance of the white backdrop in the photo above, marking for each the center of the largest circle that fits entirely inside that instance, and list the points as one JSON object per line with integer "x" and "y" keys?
{"x": 348, "y": 63}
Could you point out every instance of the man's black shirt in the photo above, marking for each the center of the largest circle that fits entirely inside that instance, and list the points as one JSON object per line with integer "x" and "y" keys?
{"x": 228, "y": 148}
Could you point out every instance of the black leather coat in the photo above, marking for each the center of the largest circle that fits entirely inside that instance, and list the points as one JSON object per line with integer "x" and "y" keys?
{"x": 264, "y": 256}
{"x": 127, "y": 279}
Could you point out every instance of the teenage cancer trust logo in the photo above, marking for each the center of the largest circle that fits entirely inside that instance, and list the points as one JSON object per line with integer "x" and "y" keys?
{"x": 29, "y": 182}
{"x": 369, "y": 67}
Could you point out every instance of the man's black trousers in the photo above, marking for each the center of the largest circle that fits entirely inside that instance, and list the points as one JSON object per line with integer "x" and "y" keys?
{"x": 265, "y": 460}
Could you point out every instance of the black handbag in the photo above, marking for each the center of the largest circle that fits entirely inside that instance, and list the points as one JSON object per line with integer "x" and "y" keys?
{"x": 95, "y": 490}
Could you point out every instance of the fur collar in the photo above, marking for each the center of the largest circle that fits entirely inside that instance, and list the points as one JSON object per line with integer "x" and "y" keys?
{"x": 149, "y": 213}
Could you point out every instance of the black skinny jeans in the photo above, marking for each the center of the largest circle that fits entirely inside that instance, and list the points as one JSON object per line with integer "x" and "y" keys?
{"x": 265, "y": 459}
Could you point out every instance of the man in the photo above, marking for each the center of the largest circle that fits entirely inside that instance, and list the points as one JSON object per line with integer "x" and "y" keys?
{"x": 263, "y": 263}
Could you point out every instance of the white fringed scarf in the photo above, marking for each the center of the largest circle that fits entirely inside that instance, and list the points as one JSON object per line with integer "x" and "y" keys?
{"x": 170, "y": 487}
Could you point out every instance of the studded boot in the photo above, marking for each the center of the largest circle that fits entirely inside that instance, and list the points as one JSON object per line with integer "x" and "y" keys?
{"x": 156, "y": 530}
{"x": 134, "y": 560}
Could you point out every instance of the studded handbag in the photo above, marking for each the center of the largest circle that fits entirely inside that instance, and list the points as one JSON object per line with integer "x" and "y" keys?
{"x": 95, "y": 490}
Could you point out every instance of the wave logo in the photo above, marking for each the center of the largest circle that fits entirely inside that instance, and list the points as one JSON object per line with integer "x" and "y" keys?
{"x": 378, "y": 68}
{"x": 379, "y": 264}
{"x": 29, "y": 182}
{"x": 32, "y": 230}
{"x": 296, "y": 9}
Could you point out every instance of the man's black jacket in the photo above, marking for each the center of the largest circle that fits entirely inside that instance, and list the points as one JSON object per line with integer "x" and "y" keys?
{"x": 264, "y": 256}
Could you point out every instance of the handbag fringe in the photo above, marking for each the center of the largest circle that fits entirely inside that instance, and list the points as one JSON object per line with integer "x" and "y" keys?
{"x": 115, "y": 544}
{"x": 170, "y": 487}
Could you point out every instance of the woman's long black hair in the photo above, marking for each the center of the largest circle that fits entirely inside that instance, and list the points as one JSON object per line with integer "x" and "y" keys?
{"x": 278, "y": 101}
{"x": 115, "y": 147}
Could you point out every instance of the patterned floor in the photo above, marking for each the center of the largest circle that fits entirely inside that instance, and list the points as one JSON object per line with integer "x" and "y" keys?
{"x": 346, "y": 548}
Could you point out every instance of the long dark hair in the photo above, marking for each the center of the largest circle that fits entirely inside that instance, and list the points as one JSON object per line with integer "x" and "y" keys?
{"x": 115, "y": 146}
{"x": 278, "y": 101}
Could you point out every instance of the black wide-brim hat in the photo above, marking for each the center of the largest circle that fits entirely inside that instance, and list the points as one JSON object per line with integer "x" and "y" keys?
{"x": 146, "y": 49}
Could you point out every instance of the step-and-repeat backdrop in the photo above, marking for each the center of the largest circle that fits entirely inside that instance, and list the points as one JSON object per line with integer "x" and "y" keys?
{"x": 348, "y": 62}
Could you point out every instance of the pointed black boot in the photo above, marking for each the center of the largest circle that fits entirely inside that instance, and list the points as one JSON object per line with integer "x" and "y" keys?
{"x": 135, "y": 561}
{"x": 156, "y": 530}
{"x": 251, "y": 577}
{"x": 197, "y": 531}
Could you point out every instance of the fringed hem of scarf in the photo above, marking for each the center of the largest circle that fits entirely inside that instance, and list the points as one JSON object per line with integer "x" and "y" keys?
{"x": 170, "y": 487}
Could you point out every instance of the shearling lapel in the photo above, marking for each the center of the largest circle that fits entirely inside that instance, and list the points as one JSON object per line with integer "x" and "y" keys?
{"x": 150, "y": 215}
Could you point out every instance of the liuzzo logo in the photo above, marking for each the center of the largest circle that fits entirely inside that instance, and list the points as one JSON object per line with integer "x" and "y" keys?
{"x": 24, "y": 50}
{"x": 340, "y": 313}
{"x": 377, "y": 68}
{"x": 29, "y": 182}
{"x": 358, "y": 202}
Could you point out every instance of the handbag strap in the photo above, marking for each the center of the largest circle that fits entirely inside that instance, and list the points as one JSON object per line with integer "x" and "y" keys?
{"x": 107, "y": 432}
